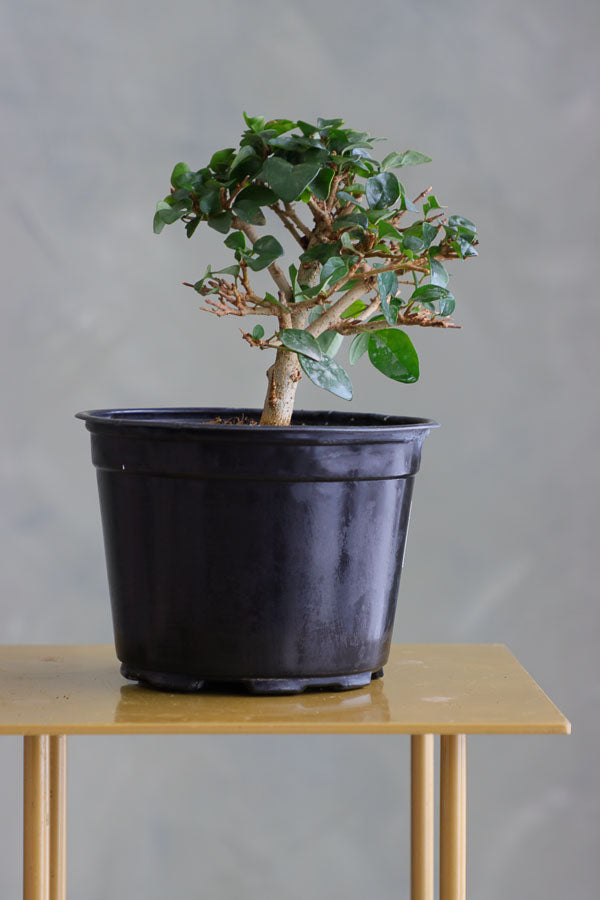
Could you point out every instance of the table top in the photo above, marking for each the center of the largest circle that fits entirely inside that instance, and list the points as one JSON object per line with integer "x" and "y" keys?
{"x": 426, "y": 689}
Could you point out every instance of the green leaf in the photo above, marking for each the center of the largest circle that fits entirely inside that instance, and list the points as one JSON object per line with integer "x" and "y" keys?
{"x": 446, "y": 305}
{"x": 271, "y": 299}
{"x": 328, "y": 124}
{"x": 288, "y": 181}
{"x": 439, "y": 275}
{"x": 179, "y": 170}
{"x": 330, "y": 342}
{"x": 412, "y": 243}
{"x": 191, "y": 226}
{"x": 221, "y": 222}
{"x": 235, "y": 241}
{"x": 358, "y": 347}
{"x": 166, "y": 215}
{"x": 268, "y": 249}
{"x": 356, "y": 220}
{"x": 463, "y": 227}
{"x": 429, "y": 204}
{"x": 222, "y": 159}
{"x": 314, "y": 313}
{"x": 386, "y": 230}
{"x": 391, "y": 352}
{"x": 334, "y": 269}
{"x": 382, "y": 190}
{"x": 301, "y": 342}
{"x": 429, "y": 232}
{"x": 354, "y": 310}
{"x": 249, "y": 211}
{"x": 280, "y": 125}
{"x": 409, "y": 158}
{"x": 210, "y": 203}
{"x": 258, "y": 332}
{"x": 256, "y": 123}
{"x": 258, "y": 194}
{"x": 328, "y": 374}
{"x": 387, "y": 284}
{"x": 246, "y": 162}
{"x": 322, "y": 183}
{"x": 320, "y": 252}
{"x": 306, "y": 128}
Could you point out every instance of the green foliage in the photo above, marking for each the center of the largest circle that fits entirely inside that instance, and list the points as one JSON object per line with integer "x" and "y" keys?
{"x": 363, "y": 221}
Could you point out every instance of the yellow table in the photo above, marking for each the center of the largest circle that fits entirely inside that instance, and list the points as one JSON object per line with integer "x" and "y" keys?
{"x": 49, "y": 692}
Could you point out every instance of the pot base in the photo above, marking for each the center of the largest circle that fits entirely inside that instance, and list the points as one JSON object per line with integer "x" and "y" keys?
{"x": 190, "y": 684}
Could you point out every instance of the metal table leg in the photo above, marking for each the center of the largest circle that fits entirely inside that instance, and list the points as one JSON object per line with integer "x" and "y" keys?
{"x": 44, "y": 819}
{"x": 453, "y": 816}
{"x": 58, "y": 816}
{"x": 421, "y": 817}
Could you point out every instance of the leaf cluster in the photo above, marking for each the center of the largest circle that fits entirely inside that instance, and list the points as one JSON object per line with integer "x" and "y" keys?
{"x": 366, "y": 243}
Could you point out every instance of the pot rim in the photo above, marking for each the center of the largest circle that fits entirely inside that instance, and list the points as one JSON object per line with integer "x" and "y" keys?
{"x": 192, "y": 421}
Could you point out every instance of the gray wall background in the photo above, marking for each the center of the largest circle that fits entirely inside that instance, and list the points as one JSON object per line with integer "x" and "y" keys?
{"x": 100, "y": 99}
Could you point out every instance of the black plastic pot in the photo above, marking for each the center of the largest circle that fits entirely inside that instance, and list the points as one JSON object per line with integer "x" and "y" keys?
{"x": 267, "y": 557}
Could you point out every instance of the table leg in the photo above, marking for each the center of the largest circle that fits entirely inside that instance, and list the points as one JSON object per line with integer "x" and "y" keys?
{"x": 44, "y": 817}
{"x": 36, "y": 749}
{"x": 421, "y": 817}
{"x": 453, "y": 816}
{"x": 58, "y": 816}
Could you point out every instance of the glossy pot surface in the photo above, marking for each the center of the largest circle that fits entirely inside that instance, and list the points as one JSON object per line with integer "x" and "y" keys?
{"x": 265, "y": 556}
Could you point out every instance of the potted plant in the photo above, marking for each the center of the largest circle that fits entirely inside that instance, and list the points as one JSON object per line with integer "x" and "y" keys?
{"x": 264, "y": 547}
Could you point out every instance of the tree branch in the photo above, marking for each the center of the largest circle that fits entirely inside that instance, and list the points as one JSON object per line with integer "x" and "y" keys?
{"x": 418, "y": 317}
{"x": 330, "y": 318}
{"x": 274, "y": 270}
{"x": 279, "y": 212}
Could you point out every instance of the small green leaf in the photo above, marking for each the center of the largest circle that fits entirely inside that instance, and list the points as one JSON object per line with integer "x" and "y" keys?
{"x": 256, "y": 123}
{"x": 191, "y": 226}
{"x": 268, "y": 249}
{"x": 334, "y": 269}
{"x": 387, "y": 284}
{"x": 330, "y": 342}
{"x": 463, "y": 227}
{"x": 179, "y": 170}
{"x": 429, "y": 293}
{"x": 258, "y": 194}
{"x": 382, "y": 190}
{"x": 386, "y": 230}
{"x": 320, "y": 252}
{"x": 355, "y": 220}
{"x": 249, "y": 211}
{"x": 358, "y": 347}
{"x": 391, "y": 351}
{"x": 271, "y": 299}
{"x": 235, "y": 241}
{"x": 210, "y": 203}
{"x": 321, "y": 185}
{"x": 314, "y": 313}
{"x": 221, "y": 222}
{"x": 222, "y": 159}
{"x": 354, "y": 310}
{"x": 429, "y": 233}
{"x": 429, "y": 204}
{"x": 301, "y": 342}
{"x": 409, "y": 158}
{"x": 258, "y": 332}
{"x": 439, "y": 275}
{"x": 246, "y": 162}
{"x": 288, "y": 181}
{"x": 328, "y": 374}
{"x": 328, "y": 124}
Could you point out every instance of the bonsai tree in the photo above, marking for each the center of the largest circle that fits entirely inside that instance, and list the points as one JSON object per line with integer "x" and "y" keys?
{"x": 371, "y": 260}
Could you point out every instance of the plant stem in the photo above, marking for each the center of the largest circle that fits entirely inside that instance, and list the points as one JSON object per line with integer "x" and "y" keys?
{"x": 283, "y": 375}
